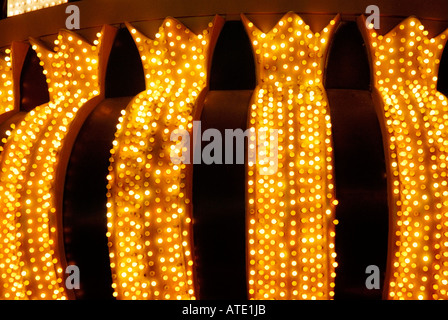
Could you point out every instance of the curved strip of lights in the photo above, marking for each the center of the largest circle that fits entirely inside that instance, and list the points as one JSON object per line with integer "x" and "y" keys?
{"x": 415, "y": 119}
{"x": 149, "y": 208}
{"x": 30, "y": 249}
{"x": 290, "y": 212}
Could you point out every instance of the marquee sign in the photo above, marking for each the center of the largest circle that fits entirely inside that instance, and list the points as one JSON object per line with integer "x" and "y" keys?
{"x": 290, "y": 226}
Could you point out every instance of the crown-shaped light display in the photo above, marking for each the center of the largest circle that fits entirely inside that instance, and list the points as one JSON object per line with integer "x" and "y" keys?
{"x": 415, "y": 117}
{"x": 72, "y": 68}
{"x": 149, "y": 207}
{"x": 6, "y": 85}
{"x": 176, "y": 55}
{"x": 30, "y": 255}
{"x": 290, "y": 52}
{"x": 406, "y": 54}
{"x": 290, "y": 214}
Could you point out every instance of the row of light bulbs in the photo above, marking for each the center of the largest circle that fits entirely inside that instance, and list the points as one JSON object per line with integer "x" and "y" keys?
{"x": 16, "y": 7}
{"x": 6, "y": 87}
{"x": 290, "y": 215}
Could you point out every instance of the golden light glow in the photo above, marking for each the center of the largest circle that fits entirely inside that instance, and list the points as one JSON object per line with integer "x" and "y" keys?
{"x": 6, "y": 82}
{"x": 16, "y": 7}
{"x": 149, "y": 208}
{"x": 30, "y": 259}
{"x": 290, "y": 214}
{"x": 414, "y": 114}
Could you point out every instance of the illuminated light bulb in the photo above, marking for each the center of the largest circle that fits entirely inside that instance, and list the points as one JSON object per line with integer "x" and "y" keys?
{"x": 149, "y": 202}
{"x": 405, "y": 64}
{"x": 30, "y": 256}
{"x": 16, "y": 7}
{"x": 290, "y": 238}
{"x": 6, "y": 82}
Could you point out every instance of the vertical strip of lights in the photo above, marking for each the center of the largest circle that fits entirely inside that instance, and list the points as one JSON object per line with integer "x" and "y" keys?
{"x": 414, "y": 117}
{"x": 30, "y": 255}
{"x": 290, "y": 214}
{"x": 11, "y": 63}
{"x": 6, "y": 82}
{"x": 149, "y": 207}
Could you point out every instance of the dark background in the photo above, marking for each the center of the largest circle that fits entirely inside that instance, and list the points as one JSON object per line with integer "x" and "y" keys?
{"x": 219, "y": 190}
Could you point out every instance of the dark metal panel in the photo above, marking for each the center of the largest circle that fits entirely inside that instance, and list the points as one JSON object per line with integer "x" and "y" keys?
{"x": 84, "y": 212}
{"x": 348, "y": 64}
{"x": 33, "y": 83}
{"x": 233, "y": 65}
{"x": 361, "y": 189}
{"x": 219, "y": 205}
{"x": 124, "y": 76}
